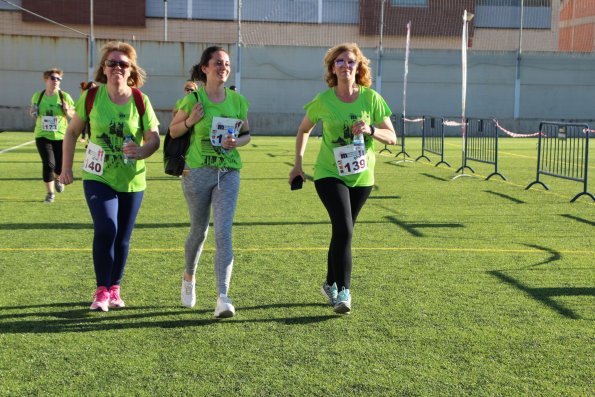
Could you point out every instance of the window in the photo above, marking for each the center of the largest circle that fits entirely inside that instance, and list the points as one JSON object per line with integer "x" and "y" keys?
{"x": 409, "y": 3}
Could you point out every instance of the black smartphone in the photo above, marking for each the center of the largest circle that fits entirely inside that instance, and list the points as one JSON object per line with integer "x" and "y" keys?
{"x": 297, "y": 183}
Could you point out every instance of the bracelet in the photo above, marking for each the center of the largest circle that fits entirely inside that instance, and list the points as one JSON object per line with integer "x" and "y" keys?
{"x": 185, "y": 125}
{"x": 372, "y": 130}
{"x": 243, "y": 133}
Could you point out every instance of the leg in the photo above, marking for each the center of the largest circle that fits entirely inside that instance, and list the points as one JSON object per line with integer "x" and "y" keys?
{"x": 335, "y": 197}
{"x": 128, "y": 207}
{"x": 197, "y": 186}
{"x": 103, "y": 205}
{"x": 45, "y": 149}
{"x": 224, "y": 199}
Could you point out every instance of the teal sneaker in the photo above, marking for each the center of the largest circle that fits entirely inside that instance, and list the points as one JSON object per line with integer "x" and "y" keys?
{"x": 330, "y": 292}
{"x": 343, "y": 305}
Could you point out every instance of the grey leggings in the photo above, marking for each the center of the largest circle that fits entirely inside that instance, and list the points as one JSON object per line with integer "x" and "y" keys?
{"x": 205, "y": 188}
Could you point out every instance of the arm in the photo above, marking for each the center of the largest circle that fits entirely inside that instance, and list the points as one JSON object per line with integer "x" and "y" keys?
{"x": 75, "y": 127}
{"x": 301, "y": 141}
{"x": 384, "y": 132}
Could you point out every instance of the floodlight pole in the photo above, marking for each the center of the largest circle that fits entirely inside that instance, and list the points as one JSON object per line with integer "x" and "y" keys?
{"x": 165, "y": 20}
{"x": 91, "y": 44}
{"x": 517, "y": 81}
{"x": 238, "y": 79}
{"x": 379, "y": 58}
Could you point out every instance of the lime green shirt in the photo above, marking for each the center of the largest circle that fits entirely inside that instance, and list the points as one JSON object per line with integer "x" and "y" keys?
{"x": 201, "y": 152}
{"x": 337, "y": 118}
{"x": 110, "y": 124}
{"x": 51, "y": 106}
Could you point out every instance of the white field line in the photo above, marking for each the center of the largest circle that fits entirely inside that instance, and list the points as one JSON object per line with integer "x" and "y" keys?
{"x": 15, "y": 147}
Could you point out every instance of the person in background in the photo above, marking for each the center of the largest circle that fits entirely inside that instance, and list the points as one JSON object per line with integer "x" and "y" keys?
{"x": 344, "y": 171}
{"x": 86, "y": 85}
{"x": 219, "y": 125}
{"x": 113, "y": 172}
{"x": 189, "y": 86}
{"x": 51, "y": 109}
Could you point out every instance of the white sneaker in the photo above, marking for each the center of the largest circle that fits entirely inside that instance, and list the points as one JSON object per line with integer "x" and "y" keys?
{"x": 224, "y": 307}
{"x": 188, "y": 293}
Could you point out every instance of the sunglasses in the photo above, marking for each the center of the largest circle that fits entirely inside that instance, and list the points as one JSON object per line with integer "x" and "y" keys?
{"x": 341, "y": 62}
{"x": 55, "y": 78}
{"x": 112, "y": 63}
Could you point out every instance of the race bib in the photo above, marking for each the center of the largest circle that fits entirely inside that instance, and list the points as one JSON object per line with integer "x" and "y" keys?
{"x": 94, "y": 157}
{"x": 49, "y": 123}
{"x": 350, "y": 160}
{"x": 219, "y": 128}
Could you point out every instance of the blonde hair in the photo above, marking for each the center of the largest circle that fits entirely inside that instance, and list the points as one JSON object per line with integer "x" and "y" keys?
{"x": 363, "y": 73}
{"x": 137, "y": 74}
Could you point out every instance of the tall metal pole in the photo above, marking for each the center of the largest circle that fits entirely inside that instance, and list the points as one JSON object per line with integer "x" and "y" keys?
{"x": 517, "y": 81}
{"x": 239, "y": 49}
{"x": 91, "y": 44}
{"x": 379, "y": 58}
{"x": 165, "y": 20}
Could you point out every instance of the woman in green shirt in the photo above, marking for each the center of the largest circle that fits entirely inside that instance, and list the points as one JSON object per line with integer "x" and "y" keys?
{"x": 218, "y": 122}
{"x": 124, "y": 132}
{"x": 344, "y": 171}
{"x": 51, "y": 109}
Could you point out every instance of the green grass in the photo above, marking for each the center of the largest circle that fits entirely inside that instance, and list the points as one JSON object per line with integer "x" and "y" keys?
{"x": 460, "y": 287}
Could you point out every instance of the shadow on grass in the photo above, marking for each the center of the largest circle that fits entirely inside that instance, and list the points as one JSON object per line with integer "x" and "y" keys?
{"x": 411, "y": 228}
{"x": 554, "y": 255}
{"x": 84, "y": 320}
{"x": 164, "y": 225}
{"x": 383, "y": 197}
{"x": 513, "y": 199}
{"x": 544, "y": 295}
{"x": 438, "y": 178}
{"x": 578, "y": 219}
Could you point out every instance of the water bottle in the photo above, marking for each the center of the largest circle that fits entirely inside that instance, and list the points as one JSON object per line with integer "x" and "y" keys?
{"x": 359, "y": 145}
{"x": 230, "y": 135}
{"x": 127, "y": 160}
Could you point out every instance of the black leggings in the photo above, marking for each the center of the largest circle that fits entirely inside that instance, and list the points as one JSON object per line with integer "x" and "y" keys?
{"x": 343, "y": 204}
{"x": 51, "y": 157}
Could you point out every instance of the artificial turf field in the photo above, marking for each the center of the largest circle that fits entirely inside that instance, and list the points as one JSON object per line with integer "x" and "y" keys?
{"x": 460, "y": 287}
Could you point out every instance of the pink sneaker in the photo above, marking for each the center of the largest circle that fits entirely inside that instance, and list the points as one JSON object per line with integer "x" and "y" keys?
{"x": 100, "y": 299}
{"x": 115, "y": 302}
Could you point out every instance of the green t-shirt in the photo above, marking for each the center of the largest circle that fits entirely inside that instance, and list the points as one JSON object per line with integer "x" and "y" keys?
{"x": 51, "y": 122}
{"x": 337, "y": 118}
{"x": 110, "y": 124}
{"x": 201, "y": 152}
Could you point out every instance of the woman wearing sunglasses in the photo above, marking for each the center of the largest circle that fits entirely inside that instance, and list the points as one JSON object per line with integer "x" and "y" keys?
{"x": 344, "y": 171}
{"x": 189, "y": 86}
{"x": 219, "y": 123}
{"x": 51, "y": 109}
{"x": 113, "y": 172}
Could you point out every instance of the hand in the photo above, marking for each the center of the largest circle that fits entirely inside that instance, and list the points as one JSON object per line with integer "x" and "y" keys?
{"x": 132, "y": 150}
{"x": 66, "y": 177}
{"x": 196, "y": 115}
{"x": 359, "y": 127}
{"x": 229, "y": 143}
{"x": 296, "y": 171}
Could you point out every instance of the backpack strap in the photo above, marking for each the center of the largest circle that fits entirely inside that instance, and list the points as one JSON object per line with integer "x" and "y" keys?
{"x": 89, "y": 99}
{"x": 39, "y": 98}
{"x": 140, "y": 106}
{"x": 61, "y": 94}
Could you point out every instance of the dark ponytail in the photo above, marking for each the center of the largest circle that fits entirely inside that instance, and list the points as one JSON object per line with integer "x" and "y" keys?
{"x": 196, "y": 73}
